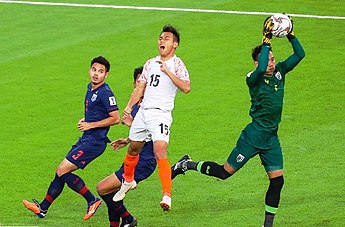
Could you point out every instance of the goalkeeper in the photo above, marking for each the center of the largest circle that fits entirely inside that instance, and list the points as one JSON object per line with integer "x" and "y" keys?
{"x": 266, "y": 87}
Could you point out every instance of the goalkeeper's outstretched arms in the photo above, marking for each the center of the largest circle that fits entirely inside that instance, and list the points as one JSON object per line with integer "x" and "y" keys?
{"x": 298, "y": 51}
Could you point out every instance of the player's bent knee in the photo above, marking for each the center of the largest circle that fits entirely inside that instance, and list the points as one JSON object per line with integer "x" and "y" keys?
{"x": 65, "y": 167}
{"x": 99, "y": 189}
{"x": 135, "y": 147}
{"x": 103, "y": 189}
{"x": 61, "y": 171}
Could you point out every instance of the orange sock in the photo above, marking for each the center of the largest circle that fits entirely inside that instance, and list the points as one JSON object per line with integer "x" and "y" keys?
{"x": 130, "y": 163}
{"x": 164, "y": 172}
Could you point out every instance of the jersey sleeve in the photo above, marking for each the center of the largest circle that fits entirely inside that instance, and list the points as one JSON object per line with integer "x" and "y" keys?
{"x": 109, "y": 101}
{"x": 181, "y": 70}
{"x": 254, "y": 77}
{"x": 292, "y": 61}
{"x": 143, "y": 77}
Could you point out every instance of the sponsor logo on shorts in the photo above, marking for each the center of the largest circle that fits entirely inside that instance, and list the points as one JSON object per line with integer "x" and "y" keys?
{"x": 240, "y": 158}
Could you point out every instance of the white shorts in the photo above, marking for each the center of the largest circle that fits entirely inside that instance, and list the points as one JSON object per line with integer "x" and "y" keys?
{"x": 151, "y": 124}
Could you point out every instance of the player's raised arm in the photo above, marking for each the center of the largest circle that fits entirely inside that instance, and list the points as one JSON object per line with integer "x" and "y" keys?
{"x": 298, "y": 51}
{"x": 262, "y": 57}
{"x": 267, "y": 31}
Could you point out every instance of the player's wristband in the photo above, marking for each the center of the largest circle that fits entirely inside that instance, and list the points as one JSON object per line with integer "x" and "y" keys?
{"x": 291, "y": 35}
{"x": 266, "y": 41}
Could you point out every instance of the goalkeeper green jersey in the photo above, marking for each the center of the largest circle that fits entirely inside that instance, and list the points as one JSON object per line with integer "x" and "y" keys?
{"x": 267, "y": 91}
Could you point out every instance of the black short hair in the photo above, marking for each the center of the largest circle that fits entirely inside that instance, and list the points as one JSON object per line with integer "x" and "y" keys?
{"x": 170, "y": 28}
{"x": 101, "y": 60}
{"x": 137, "y": 71}
{"x": 256, "y": 52}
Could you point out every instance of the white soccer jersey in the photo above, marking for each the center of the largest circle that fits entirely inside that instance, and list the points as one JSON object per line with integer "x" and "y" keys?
{"x": 160, "y": 90}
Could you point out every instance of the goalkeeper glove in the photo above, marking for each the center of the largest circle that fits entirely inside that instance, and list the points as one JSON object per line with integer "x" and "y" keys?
{"x": 291, "y": 33}
{"x": 266, "y": 31}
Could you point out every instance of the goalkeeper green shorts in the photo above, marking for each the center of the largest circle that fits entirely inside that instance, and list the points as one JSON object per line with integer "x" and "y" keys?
{"x": 253, "y": 141}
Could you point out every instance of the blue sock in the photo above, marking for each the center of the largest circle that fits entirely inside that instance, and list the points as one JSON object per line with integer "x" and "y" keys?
{"x": 124, "y": 213}
{"x": 77, "y": 184}
{"x": 116, "y": 209}
{"x": 114, "y": 217}
{"x": 54, "y": 190}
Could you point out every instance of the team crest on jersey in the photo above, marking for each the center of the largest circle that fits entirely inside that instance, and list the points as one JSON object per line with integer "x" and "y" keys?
{"x": 239, "y": 158}
{"x": 278, "y": 75}
{"x": 94, "y": 97}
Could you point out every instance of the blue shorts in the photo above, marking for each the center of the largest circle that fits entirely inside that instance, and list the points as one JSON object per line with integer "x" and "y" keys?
{"x": 144, "y": 169}
{"x": 85, "y": 151}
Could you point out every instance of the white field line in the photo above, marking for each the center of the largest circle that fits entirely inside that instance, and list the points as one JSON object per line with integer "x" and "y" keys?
{"x": 166, "y": 9}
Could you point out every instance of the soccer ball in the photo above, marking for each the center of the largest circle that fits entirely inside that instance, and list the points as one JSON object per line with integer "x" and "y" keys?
{"x": 281, "y": 25}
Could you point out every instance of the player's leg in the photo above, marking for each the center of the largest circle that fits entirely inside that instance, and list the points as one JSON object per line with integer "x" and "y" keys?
{"x": 214, "y": 169}
{"x": 158, "y": 125}
{"x": 57, "y": 184}
{"x": 131, "y": 159}
{"x": 81, "y": 156}
{"x": 209, "y": 168}
{"x": 78, "y": 185}
{"x": 273, "y": 163}
{"x": 130, "y": 163}
{"x": 145, "y": 168}
{"x": 110, "y": 184}
{"x": 54, "y": 190}
{"x": 107, "y": 187}
{"x": 239, "y": 156}
{"x": 137, "y": 135}
{"x": 273, "y": 196}
{"x": 164, "y": 172}
{"x": 116, "y": 210}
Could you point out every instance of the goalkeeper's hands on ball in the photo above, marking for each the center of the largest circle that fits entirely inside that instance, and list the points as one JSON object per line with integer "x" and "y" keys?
{"x": 291, "y": 33}
{"x": 266, "y": 31}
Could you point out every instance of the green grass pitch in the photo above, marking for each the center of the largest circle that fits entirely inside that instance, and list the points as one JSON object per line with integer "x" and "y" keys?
{"x": 45, "y": 53}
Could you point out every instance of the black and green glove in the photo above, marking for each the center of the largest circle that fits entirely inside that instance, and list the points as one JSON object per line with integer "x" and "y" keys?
{"x": 266, "y": 31}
